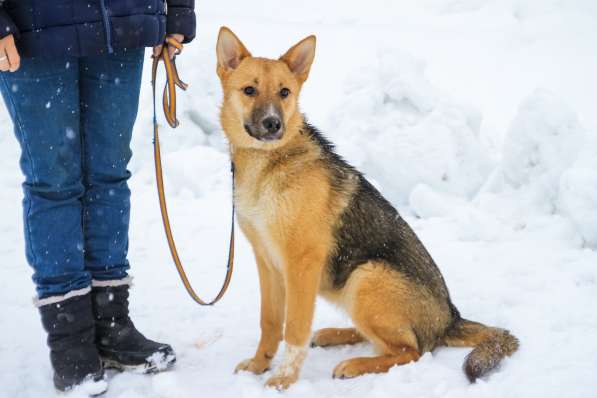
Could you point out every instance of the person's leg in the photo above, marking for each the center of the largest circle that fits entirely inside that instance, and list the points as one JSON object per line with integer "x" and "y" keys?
{"x": 110, "y": 86}
{"x": 43, "y": 100}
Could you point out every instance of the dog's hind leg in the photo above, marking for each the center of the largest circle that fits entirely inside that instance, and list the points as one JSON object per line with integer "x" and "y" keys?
{"x": 397, "y": 345}
{"x": 330, "y": 337}
{"x": 359, "y": 366}
{"x": 378, "y": 299}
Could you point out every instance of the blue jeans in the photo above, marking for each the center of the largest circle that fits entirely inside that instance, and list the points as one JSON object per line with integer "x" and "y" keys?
{"x": 73, "y": 118}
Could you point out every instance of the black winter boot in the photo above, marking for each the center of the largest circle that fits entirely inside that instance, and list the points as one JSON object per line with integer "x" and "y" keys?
{"x": 71, "y": 332}
{"x": 120, "y": 344}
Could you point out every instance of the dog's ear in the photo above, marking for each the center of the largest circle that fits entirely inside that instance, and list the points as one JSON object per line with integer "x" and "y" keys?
{"x": 300, "y": 57}
{"x": 230, "y": 51}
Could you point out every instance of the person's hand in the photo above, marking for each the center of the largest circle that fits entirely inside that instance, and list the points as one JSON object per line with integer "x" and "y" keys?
{"x": 9, "y": 56}
{"x": 157, "y": 50}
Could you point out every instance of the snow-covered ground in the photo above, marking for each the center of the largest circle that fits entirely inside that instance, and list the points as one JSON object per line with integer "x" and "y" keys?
{"x": 475, "y": 117}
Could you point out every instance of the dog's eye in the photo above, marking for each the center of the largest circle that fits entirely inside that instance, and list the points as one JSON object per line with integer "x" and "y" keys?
{"x": 250, "y": 90}
{"x": 284, "y": 92}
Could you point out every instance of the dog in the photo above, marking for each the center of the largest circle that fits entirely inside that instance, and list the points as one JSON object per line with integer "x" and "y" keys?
{"x": 317, "y": 226}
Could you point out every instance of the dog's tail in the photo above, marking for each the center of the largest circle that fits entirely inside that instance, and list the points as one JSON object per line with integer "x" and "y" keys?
{"x": 490, "y": 344}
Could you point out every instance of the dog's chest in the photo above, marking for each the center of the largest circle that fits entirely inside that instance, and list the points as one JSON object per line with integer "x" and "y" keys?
{"x": 259, "y": 207}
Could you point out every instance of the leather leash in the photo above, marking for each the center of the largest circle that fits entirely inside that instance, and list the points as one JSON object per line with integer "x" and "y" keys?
{"x": 169, "y": 105}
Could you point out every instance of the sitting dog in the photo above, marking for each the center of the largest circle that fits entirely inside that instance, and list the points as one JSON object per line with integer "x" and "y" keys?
{"x": 317, "y": 226}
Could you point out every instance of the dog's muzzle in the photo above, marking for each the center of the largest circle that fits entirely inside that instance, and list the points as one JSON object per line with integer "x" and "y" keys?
{"x": 266, "y": 126}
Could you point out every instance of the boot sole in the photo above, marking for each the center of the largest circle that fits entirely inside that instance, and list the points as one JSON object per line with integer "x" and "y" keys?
{"x": 145, "y": 368}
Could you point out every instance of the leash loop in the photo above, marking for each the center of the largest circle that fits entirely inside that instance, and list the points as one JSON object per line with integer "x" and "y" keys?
{"x": 169, "y": 107}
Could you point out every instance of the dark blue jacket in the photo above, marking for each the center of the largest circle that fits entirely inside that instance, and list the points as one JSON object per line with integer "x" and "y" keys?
{"x": 91, "y": 27}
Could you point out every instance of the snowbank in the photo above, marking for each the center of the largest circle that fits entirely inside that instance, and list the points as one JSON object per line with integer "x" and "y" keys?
{"x": 543, "y": 141}
{"x": 395, "y": 126}
{"x": 577, "y": 196}
{"x": 424, "y": 149}
{"x": 548, "y": 164}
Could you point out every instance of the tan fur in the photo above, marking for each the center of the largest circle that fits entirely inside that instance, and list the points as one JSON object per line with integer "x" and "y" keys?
{"x": 289, "y": 207}
{"x": 362, "y": 365}
{"x": 372, "y": 295}
{"x": 330, "y": 337}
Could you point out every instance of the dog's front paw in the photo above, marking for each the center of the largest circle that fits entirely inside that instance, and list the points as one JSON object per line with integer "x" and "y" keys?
{"x": 281, "y": 382}
{"x": 288, "y": 371}
{"x": 253, "y": 365}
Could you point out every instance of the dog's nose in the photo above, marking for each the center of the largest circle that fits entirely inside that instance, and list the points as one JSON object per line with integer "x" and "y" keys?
{"x": 272, "y": 124}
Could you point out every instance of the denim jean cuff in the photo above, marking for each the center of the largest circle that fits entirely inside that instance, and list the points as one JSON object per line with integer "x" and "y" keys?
{"x": 58, "y": 299}
{"x": 113, "y": 282}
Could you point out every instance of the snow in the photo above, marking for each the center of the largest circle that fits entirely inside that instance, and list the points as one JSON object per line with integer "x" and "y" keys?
{"x": 544, "y": 139}
{"x": 578, "y": 190}
{"x": 475, "y": 117}
{"x": 70, "y": 133}
{"x": 392, "y": 112}
{"x": 89, "y": 388}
